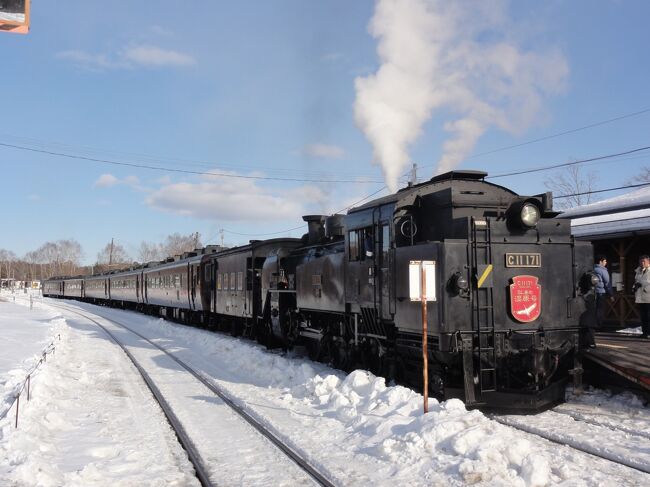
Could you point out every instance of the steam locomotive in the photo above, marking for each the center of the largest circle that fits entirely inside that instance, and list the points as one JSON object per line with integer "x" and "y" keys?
{"x": 513, "y": 291}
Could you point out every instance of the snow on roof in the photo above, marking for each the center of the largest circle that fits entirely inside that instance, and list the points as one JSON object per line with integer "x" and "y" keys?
{"x": 610, "y": 225}
{"x": 635, "y": 200}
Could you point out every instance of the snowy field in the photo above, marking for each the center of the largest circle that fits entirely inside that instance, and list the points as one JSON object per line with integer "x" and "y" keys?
{"x": 92, "y": 423}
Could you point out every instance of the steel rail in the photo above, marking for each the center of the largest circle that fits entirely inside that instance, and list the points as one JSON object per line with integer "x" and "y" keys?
{"x": 551, "y": 438}
{"x": 181, "y": 434}
{"x": 578, "y": 417}
{"x": 320, "y": 478}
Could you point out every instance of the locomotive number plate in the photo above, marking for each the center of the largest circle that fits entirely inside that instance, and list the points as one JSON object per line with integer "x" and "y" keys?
{"x": 524, "y": 260}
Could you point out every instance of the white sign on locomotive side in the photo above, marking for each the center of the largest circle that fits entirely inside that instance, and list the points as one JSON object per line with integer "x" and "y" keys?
{"x": 416, "y": 268}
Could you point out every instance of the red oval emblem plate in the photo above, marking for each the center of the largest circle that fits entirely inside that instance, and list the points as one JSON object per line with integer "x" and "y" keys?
{"x": 525, "y": 298}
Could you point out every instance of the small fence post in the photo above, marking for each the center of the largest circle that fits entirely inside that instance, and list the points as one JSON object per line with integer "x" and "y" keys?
{"x": 17, "y": 408}
{"x": 31, "y": 302}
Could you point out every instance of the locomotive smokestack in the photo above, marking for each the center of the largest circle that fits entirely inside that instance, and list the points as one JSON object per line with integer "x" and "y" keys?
{"x": 315, "y": 227}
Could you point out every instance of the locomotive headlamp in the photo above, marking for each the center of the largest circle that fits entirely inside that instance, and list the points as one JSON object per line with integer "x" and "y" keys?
{"x": 459, "y": 283}
{"x": 588, "y": 282}
{"x": 529, "y": 215}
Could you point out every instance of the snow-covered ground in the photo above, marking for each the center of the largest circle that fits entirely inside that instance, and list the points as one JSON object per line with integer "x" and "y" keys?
{"x": 90, "y": 421}
{"x": 633, "y": 331}
{"x": 24, "y": 334}
{"x": 355, "y": 428}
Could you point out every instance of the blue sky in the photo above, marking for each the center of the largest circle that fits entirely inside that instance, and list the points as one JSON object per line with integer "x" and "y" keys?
{"x": 267, "y": 89}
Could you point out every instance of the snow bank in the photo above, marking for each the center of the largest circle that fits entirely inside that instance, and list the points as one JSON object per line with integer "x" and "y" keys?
{"x": 25, "y": 333}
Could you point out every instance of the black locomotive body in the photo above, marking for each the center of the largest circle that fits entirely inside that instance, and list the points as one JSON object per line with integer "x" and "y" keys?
{"x": 511, "y": 299}
{"x": 513, "y": 291}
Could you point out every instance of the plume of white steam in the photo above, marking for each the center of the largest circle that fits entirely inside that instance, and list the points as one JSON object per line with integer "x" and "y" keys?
{"x": 459, "y": 57}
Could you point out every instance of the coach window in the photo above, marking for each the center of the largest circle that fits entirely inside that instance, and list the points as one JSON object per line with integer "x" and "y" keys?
{"x": 353, "y": 246}
{"x": 219, "y": 278}
{"x": 240, "y": 281}
{"x": 385, "y": 244}
{"x": 233, "y": 282}
{"x": 365, "y": 236}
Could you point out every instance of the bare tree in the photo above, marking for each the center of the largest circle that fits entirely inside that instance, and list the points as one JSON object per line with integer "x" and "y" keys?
{"x": 150, "y": 251}
{"x": 572, "y": 183}
{"x": 58, "y": 258}
{"x": 69, "y": 255}
{"x": 113, "y": 254}
{"x": 642, "y": 177}
{"x": 176, "y": 243}
{"x": 7, "y": 259}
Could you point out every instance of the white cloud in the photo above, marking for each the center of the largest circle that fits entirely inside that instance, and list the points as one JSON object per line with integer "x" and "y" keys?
{"x": 106, "y": 181}
{"x": 322, "y": 151}
{"x": 164, "y": 180}
{"x": 159, "y": 30}
{"x": 89, "y": 60}
{"x": 156, "y": 57}
{"x": 233, "y": 199}
{"x": 129, "y": 57}
{"x": 131, "y": 181}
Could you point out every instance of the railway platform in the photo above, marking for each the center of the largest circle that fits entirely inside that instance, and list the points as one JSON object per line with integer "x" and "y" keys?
{"x": 626, "y": 356}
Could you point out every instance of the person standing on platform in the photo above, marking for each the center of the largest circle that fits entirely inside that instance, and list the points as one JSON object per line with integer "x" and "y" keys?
{"x": 603, "y": 292}
{"x": 642, "y": 293}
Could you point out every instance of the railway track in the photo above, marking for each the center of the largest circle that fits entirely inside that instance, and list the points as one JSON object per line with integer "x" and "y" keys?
{"x": 579, "y": 416}
{"x": 561, "y": 436}
{"x": 184, "y": 438}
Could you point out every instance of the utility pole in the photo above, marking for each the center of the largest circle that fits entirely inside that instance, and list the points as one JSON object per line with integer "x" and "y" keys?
{"x": 110, "y": 255}
{"x": 196, "y": 239}
{"x": 221, "y": 235}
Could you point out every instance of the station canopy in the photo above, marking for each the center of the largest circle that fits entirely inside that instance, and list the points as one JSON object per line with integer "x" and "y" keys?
{"x": 620, "y": 216}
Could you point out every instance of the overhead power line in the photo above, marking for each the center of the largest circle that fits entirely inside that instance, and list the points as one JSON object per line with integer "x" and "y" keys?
{"x": 629, "y": 186}
{"x": 143, "y": 158}
{"x": 560, "y": 134}
{"x": 552, "y": 136}
{"x": 565, "y": 164}
{"x": 183, "y": 171}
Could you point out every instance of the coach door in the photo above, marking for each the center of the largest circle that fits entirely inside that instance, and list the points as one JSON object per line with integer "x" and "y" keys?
{"x": 383, "y": 278}
{"x": 192, "y": 284}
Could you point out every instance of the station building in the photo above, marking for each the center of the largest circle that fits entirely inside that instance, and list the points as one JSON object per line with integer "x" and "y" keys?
{"x": 619, "y": 228}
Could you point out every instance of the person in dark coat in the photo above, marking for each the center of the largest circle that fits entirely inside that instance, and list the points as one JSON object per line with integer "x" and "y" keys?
{"x": 603, "y": 293}
{"x": 642, "y": 293}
